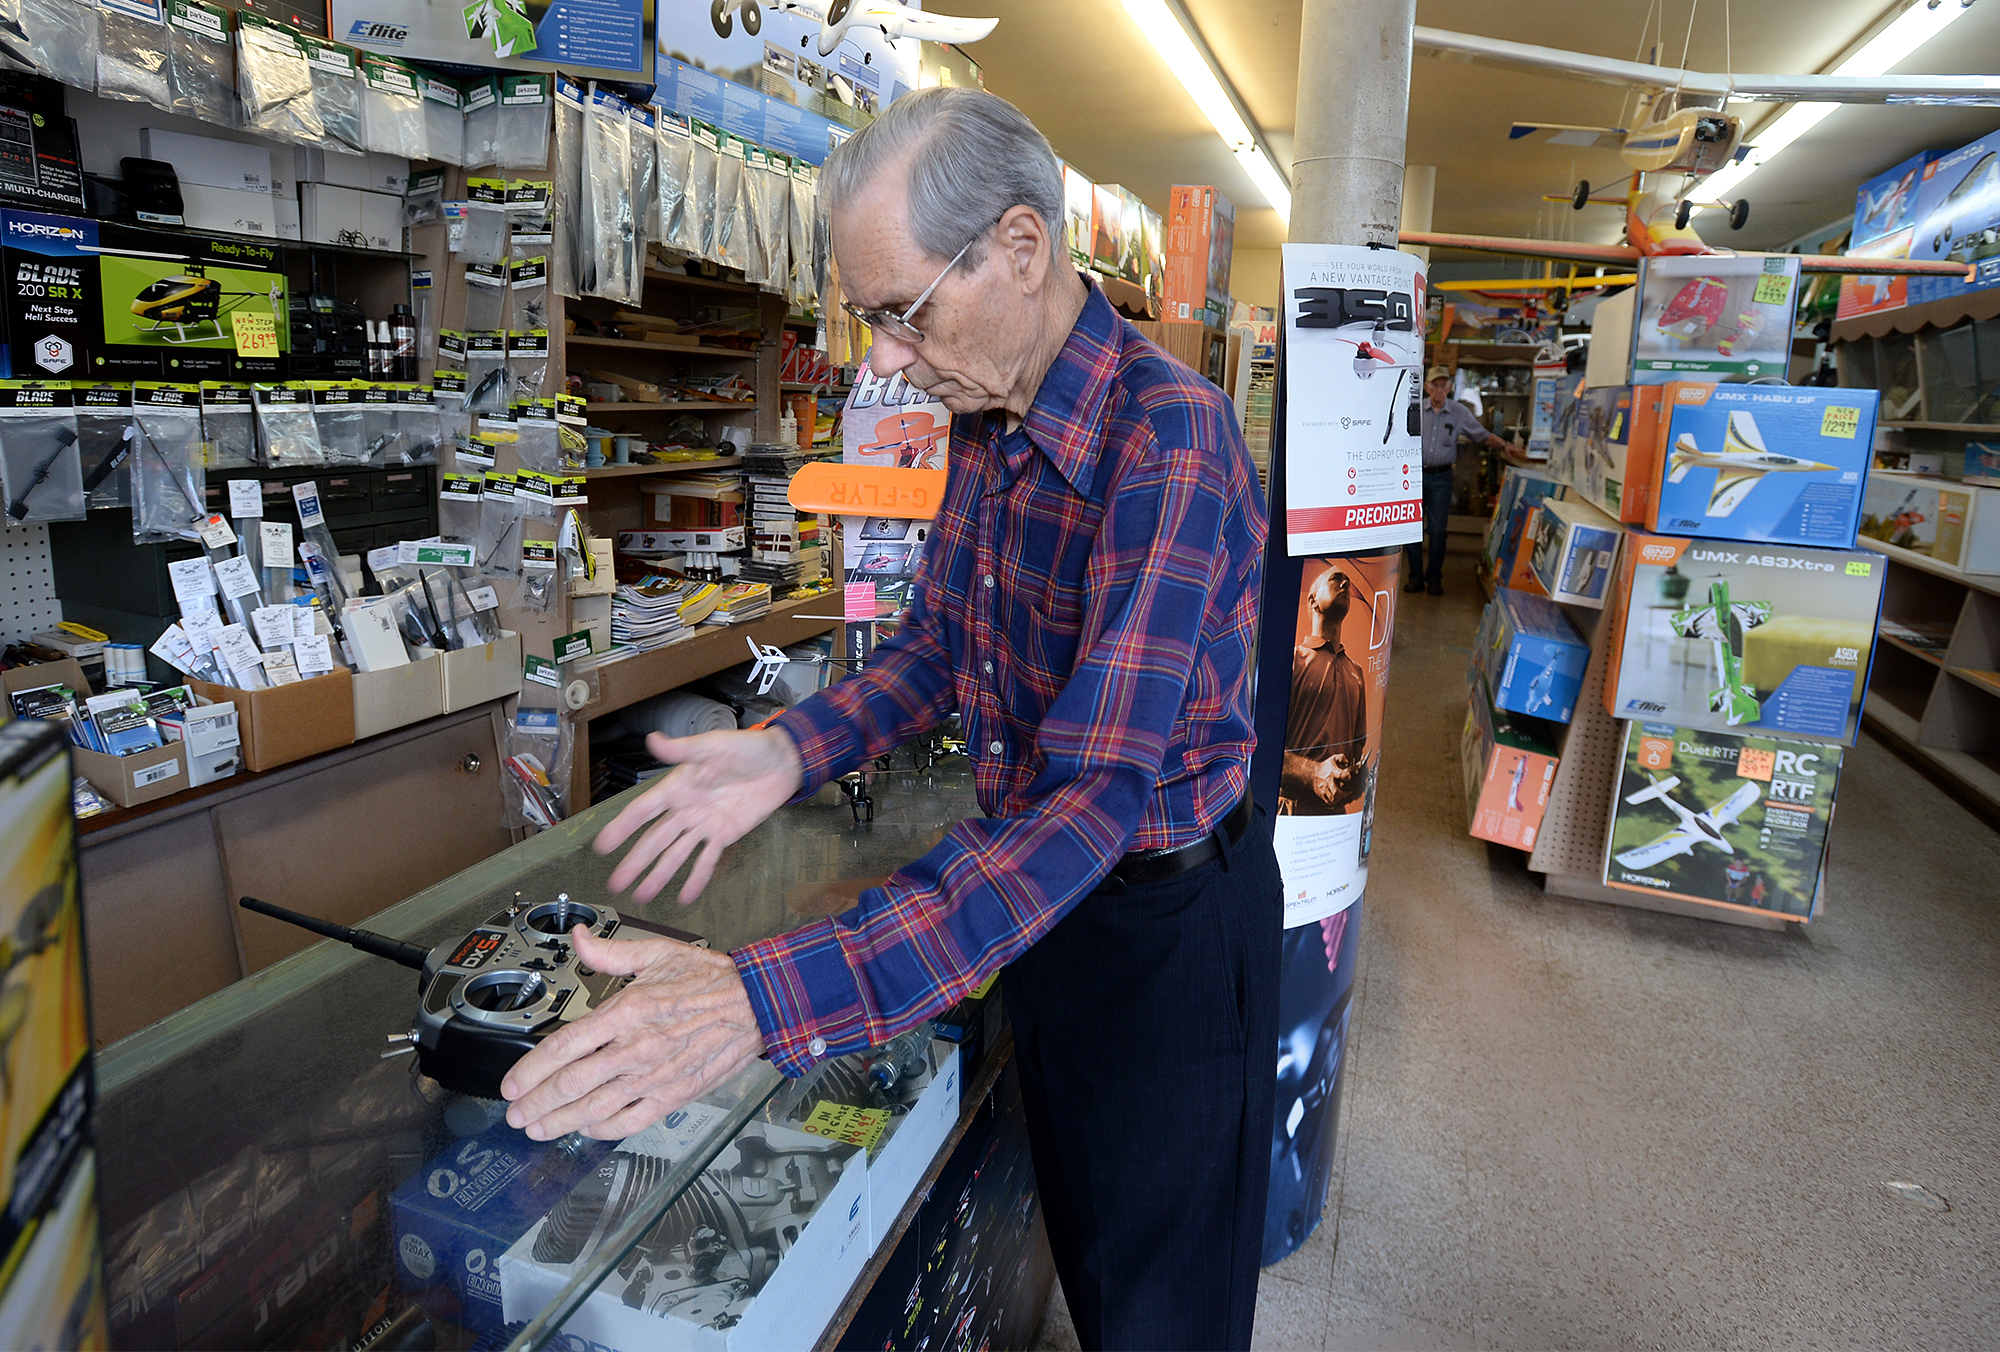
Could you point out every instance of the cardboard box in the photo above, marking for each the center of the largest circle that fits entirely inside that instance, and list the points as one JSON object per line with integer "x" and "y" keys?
{"x": 1982, "y": 462}
{"x": 1510, "y": 763}
{"x": 382, "y": 221}
{"x": 1609, "y": 360}
{"x": 1957, "y": 216}
{"x": 398, "y": 696}
{"x": 1608, "y": 449}
{"x": 289, "y": 722}
{"x": 47, "y": 173}
{"x": 1713, "y": 316}
{"x": 476, "y": 675}
{"x": 1949, "y": 523}
{"x": 330, "y": 214}
{"x": 1574, "y": 551}
{"x": 455, "y": 1217}
{"x": 1078, "y": 210}
{"x": 1722, "y": 818}
{"x": 209, "y": 161}
{"x": 286, "y": 211}
{"x": 229, "y": 212}
{"x": 131, "y": 780}
{"x": 1520, "y": 490}
{"x": 209, "y": 740}
{"x": 1201, "y": 239}
{"x": 1531, "y": 656}
{"x": 788, "y": 1254}
{"x": 373, "y": 172}
{"x": 1107, "y": 227}
{"x": 1732, "y": 637}
{"x": 1767, "y": 463}
{"x": 1884, "y": 227}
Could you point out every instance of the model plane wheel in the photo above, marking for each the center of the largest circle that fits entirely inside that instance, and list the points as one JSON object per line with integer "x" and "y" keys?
{"x": 1739, "y": 213}
{"x": 1683, "y": 213}
{"x": 1580, "y": 199}
{"x": 718, "y": 17}
{"x": 753, "y": 19}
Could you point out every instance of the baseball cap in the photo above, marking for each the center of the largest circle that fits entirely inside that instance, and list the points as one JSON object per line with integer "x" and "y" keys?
{"x": 1436, "y": 373}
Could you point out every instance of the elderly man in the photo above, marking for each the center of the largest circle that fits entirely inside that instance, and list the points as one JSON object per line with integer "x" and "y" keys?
{"x": 1445, "y": 421}
{"x": 1087, "y": 604}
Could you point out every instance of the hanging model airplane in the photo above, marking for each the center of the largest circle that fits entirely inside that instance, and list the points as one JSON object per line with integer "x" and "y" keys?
{"x": 1739, "y": 466}
{"x": 1696, "y": 828}
{"x": 1723, "y": 622}
{"x": 837, "y": 17}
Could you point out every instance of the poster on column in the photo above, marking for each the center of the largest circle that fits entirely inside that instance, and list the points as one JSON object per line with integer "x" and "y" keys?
{"x": 1333, "y": 732}
{"x": 1353, "y": 370}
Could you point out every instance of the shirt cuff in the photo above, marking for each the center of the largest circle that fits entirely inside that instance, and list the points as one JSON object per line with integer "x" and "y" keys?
{"x": 825, "y": 739}
{"x": 807, "y": 1002}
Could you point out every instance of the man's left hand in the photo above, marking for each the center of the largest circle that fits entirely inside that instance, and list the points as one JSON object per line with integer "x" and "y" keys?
{"x": 681, "y": 1026}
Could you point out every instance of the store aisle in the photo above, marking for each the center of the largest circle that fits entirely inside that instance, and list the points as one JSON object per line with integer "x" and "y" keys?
{"x": 1576, "y": 1125}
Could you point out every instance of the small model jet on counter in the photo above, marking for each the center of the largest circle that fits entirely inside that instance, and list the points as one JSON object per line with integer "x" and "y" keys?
{"x": 1696, "y": 828}
{"x": 1739, "y": 466}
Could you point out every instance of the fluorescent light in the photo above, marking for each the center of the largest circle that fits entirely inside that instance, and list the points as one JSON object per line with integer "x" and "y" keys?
{"x": 1911, "y": 29}
{"x": 1170, "y": 38}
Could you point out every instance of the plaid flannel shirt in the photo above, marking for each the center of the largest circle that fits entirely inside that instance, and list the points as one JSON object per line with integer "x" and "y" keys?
{"x": 1087, "y": 602}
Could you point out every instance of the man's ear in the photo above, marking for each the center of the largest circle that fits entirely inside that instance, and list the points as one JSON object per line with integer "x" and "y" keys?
{"x": 1024, "y": 245}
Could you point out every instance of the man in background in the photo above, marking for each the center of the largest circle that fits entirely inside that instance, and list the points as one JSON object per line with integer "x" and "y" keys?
{"x": 1445, "y": 421}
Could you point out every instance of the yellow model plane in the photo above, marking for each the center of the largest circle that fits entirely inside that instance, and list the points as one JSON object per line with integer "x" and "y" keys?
{"x": 1739, "y": 466}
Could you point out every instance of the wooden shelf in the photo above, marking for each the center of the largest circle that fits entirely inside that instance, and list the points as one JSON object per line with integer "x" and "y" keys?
{"x": 1966, "y": 777}
{"x": 808, "y": 387}
{"x": 1978, "y": 680}
{"x": 1910, "y": 648}
{"x": 1978, "y": 429}
{"x": 675, "y": 406}
{"x": 1904, "y": 557}
{"x": 675, "y": 467}
{"x": 664, "y": 349}
{"x": 710, "y": 650}
{"x": 700, "y": 283}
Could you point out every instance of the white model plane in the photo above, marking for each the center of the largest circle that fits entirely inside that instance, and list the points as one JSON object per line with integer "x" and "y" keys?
{"x": 1696, "y": 828}
{"x": 836, "y": 17}
{"x": 1739, "y": 466}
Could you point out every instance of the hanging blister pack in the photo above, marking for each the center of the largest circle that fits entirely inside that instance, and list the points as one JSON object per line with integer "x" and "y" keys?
{"x": 540, "y": 586}
{"x": 801, "y": 225}
{"x": 499, "y": 527}
{"x": 485, "y": 295}
{"x": 481, "y": 236}
{"x": 703, "y": 165}
{"x": 775, "y": 221}
{"x": 274, "y": 82}
{"x": 527, "y": 362}
{"x": 421, "y": 425}
{"x": 522, "y": 139}
{"x": 201, "y": 63}
{"x": 393, "y": 109}
{"x": 572, "y": 444}
{"x": 132, "y": 52}
{"x": 537, "y": 436}
{"x": 338, "y": 411}
{"x": 570, "y": 208}
{"x": 731, "y": 247}
{"x": 448, "y": 397}
{"x": 423, "y": 200}
{"x": 674, "y": 157}
{"x": 336, "y": 94}
{"x": 169, "y": 497}
{"x": 529, "y": 224}
{"x": 645, "y": 186}
{"x": 43, "y": 469}
{"x": 228, "y": 425}
{"x": 56, "y": 38}
{"x": 487, "y": 384}
{"x": 481, "y": 103}
{"x": 444, "y": 119}
{"x": 104, "y": 435}
{"x": 285, "y": 425}
{"x": 458, "y": 508}
{"x": 540, "y": 747}
{"x": 451, "y": 349}
{"x": 607, "y": 195}
{"x": 381, "y": 424}
{"x": 317, "y": 550}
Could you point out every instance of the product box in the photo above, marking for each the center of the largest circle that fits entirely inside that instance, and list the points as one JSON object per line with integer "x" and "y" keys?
{"x": 1079, "y": 210}
{"x": 285, "y": 723}
{"x": 669, "y": 541}
{"x": 475, "y": 675}
{"x": 126, "y": 780}
{"x": 330, "y": 214}
{"x": 1728, "y": 819}
{"x": 229, "y": 211}
{"x": 1608, "y": 449}
{"x": 1107, "y": 227}
{"x": 1982, "y": 462}
{"x": 1713, "y": 317}
{"x": 1201, "y": 240}
{"x": 1768, "y": 463}
{"x": 45, "y": 170}
{"x": 1574, "y": 551}
{"x": 1957, "y": 216}
{"x": 1733, "y": 637}
{"x": 973, "y": 1025}
{"x": 1608, "y": 360}
{"x": 1531, "y": 656}
{"x": 398, "y": 696}
{"x": 455, "y": 1216}
{"x": 209, "y": 161}
{"x": 210, "y": 741}
{"x": 1519, "y": 489}
{"x": 373, "y": 172}
{"x": 1884, "y": 227}
{"x": 758, "y": 1252}
{"x": 1950, "y": 523}
{"x": 381, "y": 221}
{"x": 1510, "y": 764}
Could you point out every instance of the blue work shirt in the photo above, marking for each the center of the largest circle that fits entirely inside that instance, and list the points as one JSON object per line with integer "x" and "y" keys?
{"x": 1442, "y": 429}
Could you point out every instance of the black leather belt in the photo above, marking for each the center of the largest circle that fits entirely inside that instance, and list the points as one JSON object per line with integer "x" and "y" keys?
{"x": 1152, "y": 866}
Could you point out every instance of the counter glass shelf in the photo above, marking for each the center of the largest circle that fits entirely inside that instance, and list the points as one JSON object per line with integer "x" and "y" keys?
{"x": 251, "y": 1143}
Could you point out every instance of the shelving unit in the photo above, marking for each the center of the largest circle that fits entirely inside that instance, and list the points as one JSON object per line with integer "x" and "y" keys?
{"x": 662, "y": 349}
{"x": 671, "y": 406}
{"x": 596, "y": 472}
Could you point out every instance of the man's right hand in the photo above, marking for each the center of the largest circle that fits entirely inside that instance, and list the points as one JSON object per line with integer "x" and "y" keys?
{"x": 722, "y": 785}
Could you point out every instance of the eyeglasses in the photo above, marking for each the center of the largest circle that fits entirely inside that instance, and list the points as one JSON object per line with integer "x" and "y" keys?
{"x": 898, "y": 326}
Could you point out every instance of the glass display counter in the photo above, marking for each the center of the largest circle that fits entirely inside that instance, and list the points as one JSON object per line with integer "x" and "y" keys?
{"x": 268, "y": 1153}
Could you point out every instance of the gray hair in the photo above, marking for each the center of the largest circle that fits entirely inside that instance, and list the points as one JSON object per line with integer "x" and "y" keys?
{"x": 973, "y": 157}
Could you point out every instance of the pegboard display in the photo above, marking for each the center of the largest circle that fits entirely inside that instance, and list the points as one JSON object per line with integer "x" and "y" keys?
{"x": 1571, "y": 841}
{"x": 28, "y": 603}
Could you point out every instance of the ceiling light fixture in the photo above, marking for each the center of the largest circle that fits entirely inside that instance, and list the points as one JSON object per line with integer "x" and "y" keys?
{"x": 1166, "y": 25}
{"x": 1904, "y": 34}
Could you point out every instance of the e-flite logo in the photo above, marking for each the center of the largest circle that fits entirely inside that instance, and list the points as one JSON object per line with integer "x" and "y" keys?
{"x": 377, "y": 33}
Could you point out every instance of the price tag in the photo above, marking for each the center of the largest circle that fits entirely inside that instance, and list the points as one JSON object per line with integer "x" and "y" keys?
{"x": 305, "y": 622}
{"x": 246, "y": 498}
{"x": 1773, "y": 288}
{"x": 541, "y": 671}
{"x": 153, "y": 774}
{"x": 256, "y": 333}
{"x": 274, "y": 626}
{"x": 432, "y": 553}
{"x": 193, "y": 583}
{"x": 279, "y": 668}
{"x": 236, "y": 575}
{"x": 314, "y": 655}
{"x": 306, "y": 498}
{"x": 237, "y": 649}
{"x": 216, "y": 533}
{"x": 1752, "y": 763}
{"x": 856, "y": 1126}
{"x": 1839, "y": 421}
{"x": 860, "y": 601}
{"x": 483, "y": 598}
{"x": 277, "y": 538}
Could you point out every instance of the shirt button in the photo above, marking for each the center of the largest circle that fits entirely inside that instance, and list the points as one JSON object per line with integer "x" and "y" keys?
{"x": 989, "y": 579}
{"x": 995, "y": 747}
{"x": 817, "y": 1046}
{"x": 989, "y": 668}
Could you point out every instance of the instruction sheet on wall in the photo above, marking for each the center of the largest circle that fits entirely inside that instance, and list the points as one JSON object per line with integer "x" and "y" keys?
{"x": 1353, "y": 371}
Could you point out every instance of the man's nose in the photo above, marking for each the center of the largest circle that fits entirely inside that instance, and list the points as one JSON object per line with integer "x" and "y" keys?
{"x": 889, "y": 355}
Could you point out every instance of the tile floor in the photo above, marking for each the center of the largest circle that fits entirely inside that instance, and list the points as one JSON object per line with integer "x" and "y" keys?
{"x": 1573, "y": 1125}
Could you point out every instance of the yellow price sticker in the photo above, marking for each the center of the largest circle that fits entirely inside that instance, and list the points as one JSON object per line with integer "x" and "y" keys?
{"x": 256, "y": 333}
{"x": 856, "y": 1126}
{"x": 1836, "y": 421}
{"x": 1753, "y": 763}
{"x": 1773, "y": 288}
